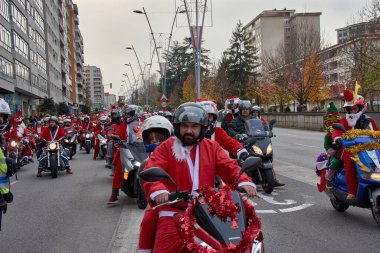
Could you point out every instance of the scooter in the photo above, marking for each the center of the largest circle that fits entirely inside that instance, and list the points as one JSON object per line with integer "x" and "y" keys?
{"x": 367, "y": 164}
{"x": 102, "y": 145}
{"x": 70, "y": 143}
{"x": 258, "y": 143}
{"x": 210, "y": 231}
{"x": 131, "y": 156}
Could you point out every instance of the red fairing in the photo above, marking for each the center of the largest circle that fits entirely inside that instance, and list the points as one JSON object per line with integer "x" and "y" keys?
{"x": 46, "y": 134}
{"x": 213, "y": 160}
{"x": 227, "y": 142}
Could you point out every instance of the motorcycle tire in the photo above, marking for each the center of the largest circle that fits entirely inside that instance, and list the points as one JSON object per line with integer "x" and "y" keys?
{"x": 88, "y": 147}
{"x": 141, "y": 199}
{"x": 339, "y": 205}
{"x": 376, "y": 213}
{"x": 54, "y": 166}
{"x": 268, "y": 181}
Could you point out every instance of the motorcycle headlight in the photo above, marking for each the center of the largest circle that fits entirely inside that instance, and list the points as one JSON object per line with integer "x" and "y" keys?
{"x": 137, "y": 164}
{"x": 52, "y": 146}
{"x": 257, "y": 150}
{"x": 87, "y": 135}
{"x": 66, "y": 140}
{"x": 372, "y": 176}
{"x": 269, "y": 149}
{"x": 13, "y": 144}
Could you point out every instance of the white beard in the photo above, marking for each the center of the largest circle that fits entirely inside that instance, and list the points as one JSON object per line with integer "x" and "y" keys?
{"x": 353, "y": 118}
{"x": 179, "y": 151}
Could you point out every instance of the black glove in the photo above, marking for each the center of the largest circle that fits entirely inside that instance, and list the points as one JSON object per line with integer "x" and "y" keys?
{"x": 3, "y": 205}
{"x": 338, "y": 141}
{"x": 10, "y": 167}
{"x": 244, "y": 156}
{"x": 8, "y": 197}
{"x": 239, "y": 137}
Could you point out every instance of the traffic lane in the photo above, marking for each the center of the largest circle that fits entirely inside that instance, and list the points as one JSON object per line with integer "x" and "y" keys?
{"x": 67, "y": 214}
{"x": 304, "y": 137}
{"x": 317, "y": 228}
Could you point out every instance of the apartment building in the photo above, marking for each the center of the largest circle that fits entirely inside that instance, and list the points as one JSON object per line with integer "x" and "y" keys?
{"x": 94, "y": 86}
{"x": 273, "y": 28}
{"x": 109, "y": 99}
{"x": 350, "y": 32}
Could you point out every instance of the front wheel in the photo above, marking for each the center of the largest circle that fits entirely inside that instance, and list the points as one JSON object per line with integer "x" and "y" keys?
{"x": 54, "y": 165}
{"x": 141, "y": 199}
{"x": 376, "y": 213}
{"x": 88, "y": 147}
{"x": 339, "y": 205}
{"x": 268, "y": 181}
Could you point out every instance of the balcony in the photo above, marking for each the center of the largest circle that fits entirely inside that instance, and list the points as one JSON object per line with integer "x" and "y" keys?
{"x": 75, "y": 9}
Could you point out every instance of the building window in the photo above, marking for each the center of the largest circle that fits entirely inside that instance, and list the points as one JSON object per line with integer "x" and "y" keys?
{"x": 40, "y": 41}
{"x": 40, "y": 5}
{"x": 41, "y": 63}
{"x": 19, "y": 19}
{"x": 6, "y": 67}
{"x": 4, "y": 6}
{"x": 22, "y": 3}
{"x": 20, "y": 45}
{"x": 22, "y": 71}
{"x": 5, "y": 39}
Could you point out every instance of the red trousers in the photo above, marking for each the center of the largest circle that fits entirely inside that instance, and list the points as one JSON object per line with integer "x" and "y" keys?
{"x": 167, "y": 237}
{"x": 117, "y": 176}
{"x": 148, "y": 228}
{"x": 27, "y": 151}
{"x": 350, "y": 172}
{"x": 96, "y": 148}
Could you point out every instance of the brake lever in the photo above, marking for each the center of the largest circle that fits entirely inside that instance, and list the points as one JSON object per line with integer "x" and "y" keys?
{"x": 168, "y": 203}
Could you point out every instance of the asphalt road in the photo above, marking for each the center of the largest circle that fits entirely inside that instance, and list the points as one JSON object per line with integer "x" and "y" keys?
{"x": 69, "y": 214}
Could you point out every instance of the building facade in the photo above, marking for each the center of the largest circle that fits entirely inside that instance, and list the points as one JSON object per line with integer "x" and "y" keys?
{"x": 35, "y": 53}
{"x": 94, "y": 86}
{"x": 272, "y": 29}
{"x": 350, "y": 32}
{"x": 109, "y": 99}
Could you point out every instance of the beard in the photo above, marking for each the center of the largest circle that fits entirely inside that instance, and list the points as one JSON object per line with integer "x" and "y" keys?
{"x": 188, "y": 140}
{"x": 353, "y": 118}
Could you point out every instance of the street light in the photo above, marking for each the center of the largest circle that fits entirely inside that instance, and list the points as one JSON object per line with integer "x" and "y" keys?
{"x": 133, "y": 73}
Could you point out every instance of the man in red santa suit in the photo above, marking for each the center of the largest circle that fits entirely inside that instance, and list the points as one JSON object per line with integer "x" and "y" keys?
{"x": 192, "y": 162}
{"x": 53, "y": 133}
{"x": 100, "y": 128}
{"x": 217, "y": 134}
{"x": 86, "y": 125}
{"x": 355, "y": 119}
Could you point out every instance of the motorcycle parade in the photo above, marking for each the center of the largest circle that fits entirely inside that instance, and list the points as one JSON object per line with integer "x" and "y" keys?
{"x": 261, "y": 138}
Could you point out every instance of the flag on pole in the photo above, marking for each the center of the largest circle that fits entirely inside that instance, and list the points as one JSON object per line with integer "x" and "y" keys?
{"x": 357, "y": 87}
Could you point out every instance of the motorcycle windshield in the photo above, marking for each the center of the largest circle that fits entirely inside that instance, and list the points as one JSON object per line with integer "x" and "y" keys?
{"x": 138, "y": 151}
{"x": 255, "y": 127}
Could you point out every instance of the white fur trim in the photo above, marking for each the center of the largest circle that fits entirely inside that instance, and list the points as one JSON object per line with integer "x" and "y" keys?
{"x": 322, "y": 165}
{"x": 166, "y": 214}
{"x": 240, "y": 152}
{"x": 179, "y": 151}
{"x": 156, "y": 193}
{"x": 247, "y": 183}
{"x": 145, "y": 251}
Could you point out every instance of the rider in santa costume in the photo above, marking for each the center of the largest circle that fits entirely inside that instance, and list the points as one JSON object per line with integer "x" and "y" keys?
{"x": 100, "y": 128}
{"x": 192, "y": 162}
{"x": 355, "y": 119}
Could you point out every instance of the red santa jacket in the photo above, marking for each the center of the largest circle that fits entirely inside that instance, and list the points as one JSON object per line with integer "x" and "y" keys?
{"x": 46, "y": 134}
{"x": 100, "y": 129}
{"x": 121, "y": 131}
{"x": 213, "y": 160}
{"x": 226, "y": 142}
{"x": 87, "y": 127}
{"x": 337, "y": 134}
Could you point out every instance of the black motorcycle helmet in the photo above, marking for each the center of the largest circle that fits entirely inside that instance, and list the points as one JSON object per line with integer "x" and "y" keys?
{"x": 244, "y": 104}
{"x": 129, "y": 113}
{"x": 115, "y": 116}
{"x": 191, "y": 113}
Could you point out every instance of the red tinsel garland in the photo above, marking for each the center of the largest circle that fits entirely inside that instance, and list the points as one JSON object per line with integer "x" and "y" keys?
{"x": 220, "y": 203}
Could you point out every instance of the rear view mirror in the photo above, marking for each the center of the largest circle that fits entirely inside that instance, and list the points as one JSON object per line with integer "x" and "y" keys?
{"x": 272, "y": 122}
{"x": 338, "y": 126}
{"x": 155, "y": 174}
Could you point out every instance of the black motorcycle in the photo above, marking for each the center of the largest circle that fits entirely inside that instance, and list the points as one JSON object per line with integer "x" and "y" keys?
{"x": 258, "y": 143}
{"x": 210, "y": 230}
{"x": 131, "y": 156}
{"x": 70, "y": 143}
{"x": 87, "y": 141}
{"x": 52, "y": 152}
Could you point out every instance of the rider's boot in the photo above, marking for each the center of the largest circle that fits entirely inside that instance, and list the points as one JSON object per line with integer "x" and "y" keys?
{"x": 39, "y": 173}
{"x": 68, "y": 170}
{"x": 329, "y": 178}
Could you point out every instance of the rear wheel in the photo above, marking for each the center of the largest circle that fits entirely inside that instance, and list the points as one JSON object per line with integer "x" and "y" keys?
{"x": 54, "y": 165}
{"x": 339, "y": 205}
{"x": 268, "y": 181}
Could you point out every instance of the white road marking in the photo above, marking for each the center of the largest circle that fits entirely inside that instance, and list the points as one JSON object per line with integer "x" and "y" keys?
{"x": 271, "y": 200}
{"x": 14, "y": 182}
{"x": 296, "y": 208}
{"x": 265, "y": 211}
{"x": 308, "y": 146}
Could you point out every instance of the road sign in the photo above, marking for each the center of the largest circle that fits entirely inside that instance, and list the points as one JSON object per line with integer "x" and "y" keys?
{"x": 163, "y": 104}
{"x": 163, "y": 98}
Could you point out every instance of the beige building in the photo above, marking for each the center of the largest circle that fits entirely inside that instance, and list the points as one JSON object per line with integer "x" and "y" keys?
{"x": 94, "y": 86}
{"x": 273, "y": 28}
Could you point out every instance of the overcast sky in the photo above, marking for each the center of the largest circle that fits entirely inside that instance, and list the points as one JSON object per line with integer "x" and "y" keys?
{"x": 109, "y": 26}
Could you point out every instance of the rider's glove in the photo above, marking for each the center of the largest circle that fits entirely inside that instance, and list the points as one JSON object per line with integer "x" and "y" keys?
{"x": 8, "y": 197}
{"x": 242, "y": 154}
{"x": 338, "y": 141}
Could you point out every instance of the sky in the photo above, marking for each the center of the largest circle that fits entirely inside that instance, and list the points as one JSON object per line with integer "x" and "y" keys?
{"x": 109, "y": 26}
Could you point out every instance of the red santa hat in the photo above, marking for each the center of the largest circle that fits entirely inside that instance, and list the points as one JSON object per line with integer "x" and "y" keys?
{"x": 348, "y": 98}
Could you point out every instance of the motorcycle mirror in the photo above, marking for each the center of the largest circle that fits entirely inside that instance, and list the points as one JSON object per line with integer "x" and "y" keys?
{"x": 250, "y": 163}
{"x": 155, "y": 174}
{"x": 272, "y": 122}
{"x": 339, "y": 126}
{"x": 250, "y": 141}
